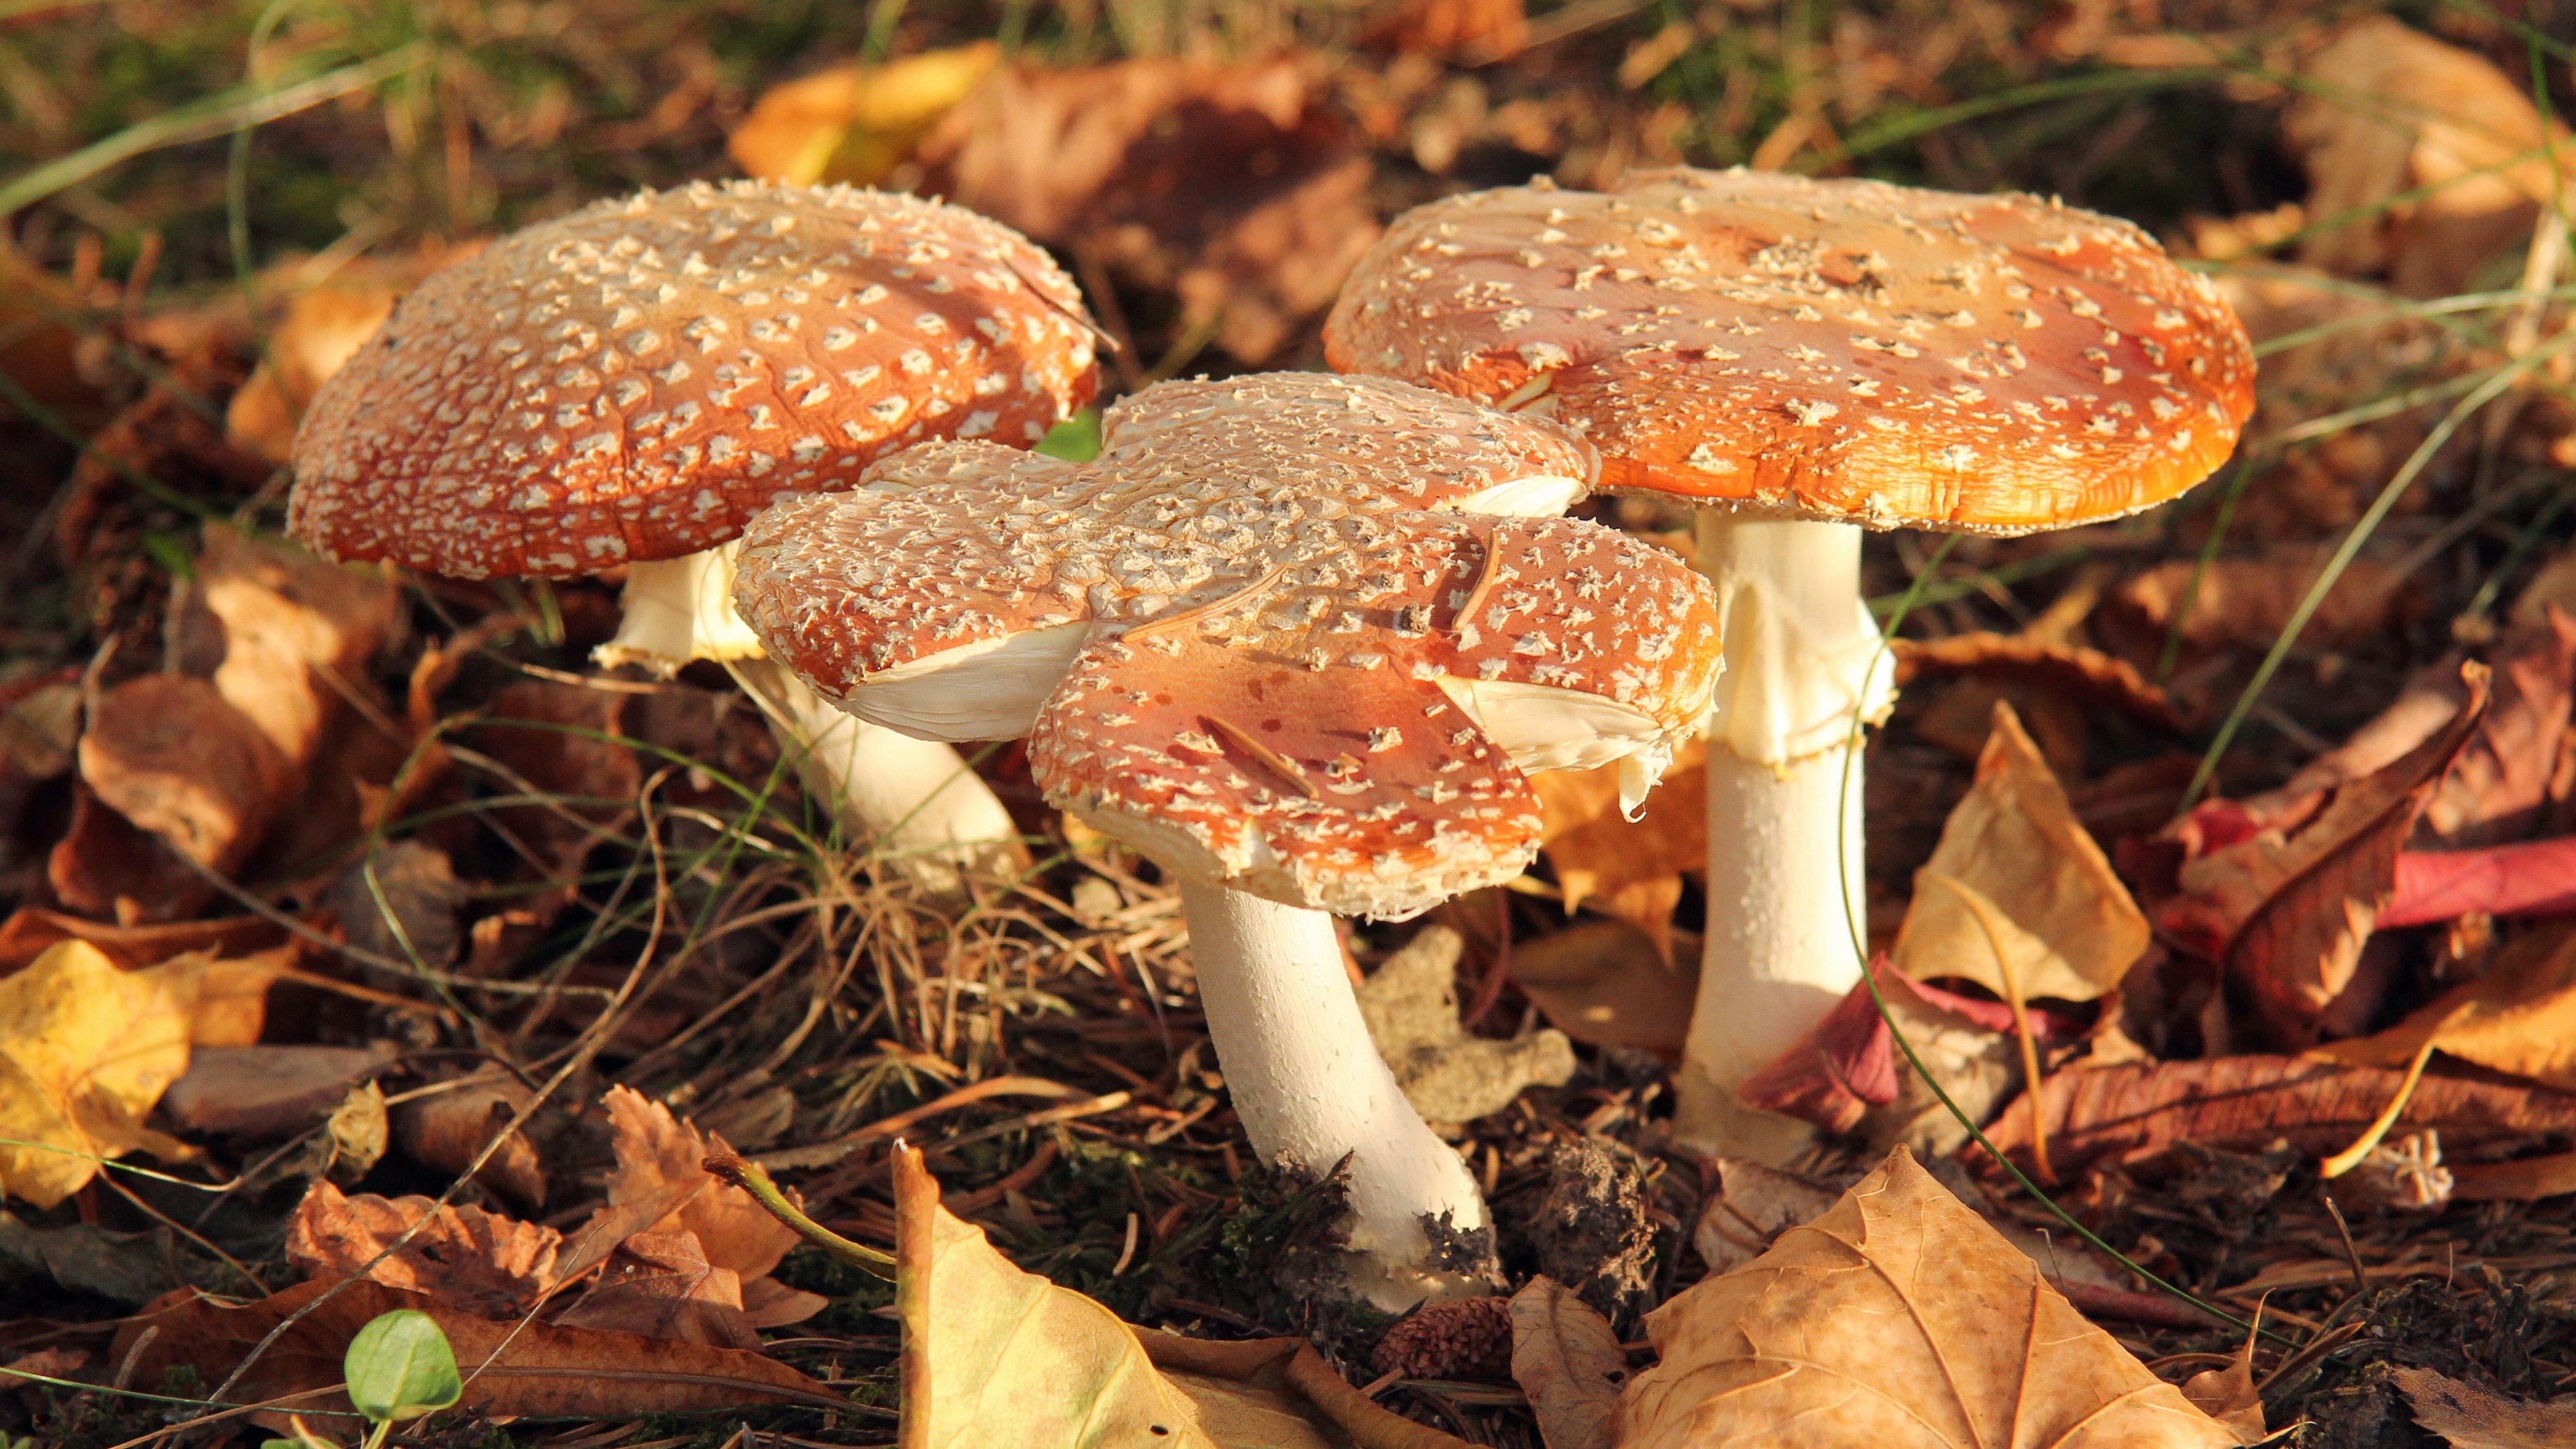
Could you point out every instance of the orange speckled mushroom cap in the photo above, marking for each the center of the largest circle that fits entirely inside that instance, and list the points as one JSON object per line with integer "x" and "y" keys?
{"x": 1841, "y": 350}
{"x": 1258, "y": 637}
{"x": 635, "y": 380}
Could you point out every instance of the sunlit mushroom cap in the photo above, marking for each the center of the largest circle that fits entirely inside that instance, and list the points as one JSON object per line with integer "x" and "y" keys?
{"x": 1841, "y": 350}
{"x": 634, "y": 381}
{"x": 1262, "y": 637}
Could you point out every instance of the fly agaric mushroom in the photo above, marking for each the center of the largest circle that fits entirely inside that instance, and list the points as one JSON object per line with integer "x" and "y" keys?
{"x": 625, "y": 386}
{"x": 1275, "y": 638}
{"x": 1801, "y": 359}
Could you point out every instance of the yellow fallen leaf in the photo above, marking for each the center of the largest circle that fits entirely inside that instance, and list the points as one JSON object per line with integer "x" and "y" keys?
{"x": 1634, "y": 868}
{"x": 85, "y": 1052}
{"x": 320, "y": 330}
{"x": 855, "y": 124}
{"x": 325, "y": 322}
{"x": 2518, "y": 1018}
{"x": 228, "y": 1000}
{"x": 1898, "y": 1320}
{"x": 994, "y": 1358}
{"x": 2017, "y": 897}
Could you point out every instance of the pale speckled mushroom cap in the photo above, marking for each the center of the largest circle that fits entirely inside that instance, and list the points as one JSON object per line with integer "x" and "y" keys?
{"x": 1258, "y": 637}
{"x": 1838, "y": 350}
{"x": 633, "y": 381}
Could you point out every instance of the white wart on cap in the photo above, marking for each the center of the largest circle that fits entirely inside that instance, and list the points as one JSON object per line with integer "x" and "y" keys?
{"x": 633, "y": 381}
{"x": 1258, "y": 637}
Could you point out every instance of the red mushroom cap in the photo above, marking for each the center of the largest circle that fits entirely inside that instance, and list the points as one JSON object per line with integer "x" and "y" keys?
{"x": 635, "y": 380}
{"x": 958, "y": 544}
{"x": 1840, "y": 350}
{"x": 1270, "y": 647}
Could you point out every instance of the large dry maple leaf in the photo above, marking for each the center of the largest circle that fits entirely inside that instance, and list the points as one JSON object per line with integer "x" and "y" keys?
{"x": 1898, "y": 1320}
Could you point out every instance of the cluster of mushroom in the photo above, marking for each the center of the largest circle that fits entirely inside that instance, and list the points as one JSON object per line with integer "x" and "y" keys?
{"x": 1300, "y": 638}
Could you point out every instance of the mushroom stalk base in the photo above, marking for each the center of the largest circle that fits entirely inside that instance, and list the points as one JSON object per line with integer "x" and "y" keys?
{"x": 925, "y": 808}
{"x": 1310, "y": 1088}
{"x": 1785, "y": 897}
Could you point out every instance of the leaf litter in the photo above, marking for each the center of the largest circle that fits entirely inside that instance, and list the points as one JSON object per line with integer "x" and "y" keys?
{"x": 348, "y": 871}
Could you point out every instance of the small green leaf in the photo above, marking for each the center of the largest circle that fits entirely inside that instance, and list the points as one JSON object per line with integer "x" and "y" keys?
{"x": 400, "y": 1367}
{"x": 1076, "y": 439}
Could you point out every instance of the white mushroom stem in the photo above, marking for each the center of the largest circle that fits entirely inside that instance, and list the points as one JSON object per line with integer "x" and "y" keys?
{"x": 1310, "y": 1086}
{"x": 1785, "y": 905}
{"x": 918, "y": 800}
{"x": 926, "y": 809}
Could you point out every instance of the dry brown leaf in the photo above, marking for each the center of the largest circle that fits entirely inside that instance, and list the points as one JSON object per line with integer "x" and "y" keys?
{"x": 189, "y": 774}
{"x": 1569, "y": 1363}
{"x": 2468, "y": 1417}
{"x": 201, "y": 763}
{"x": 2385, "y": 110}
{"x": 1236, "y": 188}
{"x": 1753, "y": 1205}
{"x": 39, "y": 350}
{"x": 2017, "y": 897}
{"x": 661, "y": 1184}
{"x": 2553, "y": 584}
{"x": 267, "y": 1091}
{"x": 1605, "y": 984}
{"x": 30, "y": 930}
{"x": 2517, "y": 763}
{"x": 2071, "y": 671}
{"x": 400, "y": 902}
{"x": 2245, "y": 602}
{"x": 40, "y": 723}
{"x": 2430, "y": 699}
{"x": 85, "y": 1052}
{"x": 2520, "y": 1180}
{"x": 1632, "y": 868}
{"x": 2509, "y": 771}
{"x": 2518, "y": 1018}
{"x": 57, "y": 1362}
{"x": 768, "y": 1303}
{"x": 449, "y": 1128}
{"x": 478, "y": 1261}
{"x": 1897, "y": 1319}
{"x": 510, "y": 1367}
{"x": 166, "y": 434}
{"x": 662, "y": 1286}
{"x": 856, "y": 124}
{"x": 2289, "y": 907}
{"x": 2243, "y": 1103}
{"x": 2228, "y": 1394}
{"x": 229, "y": 1004}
